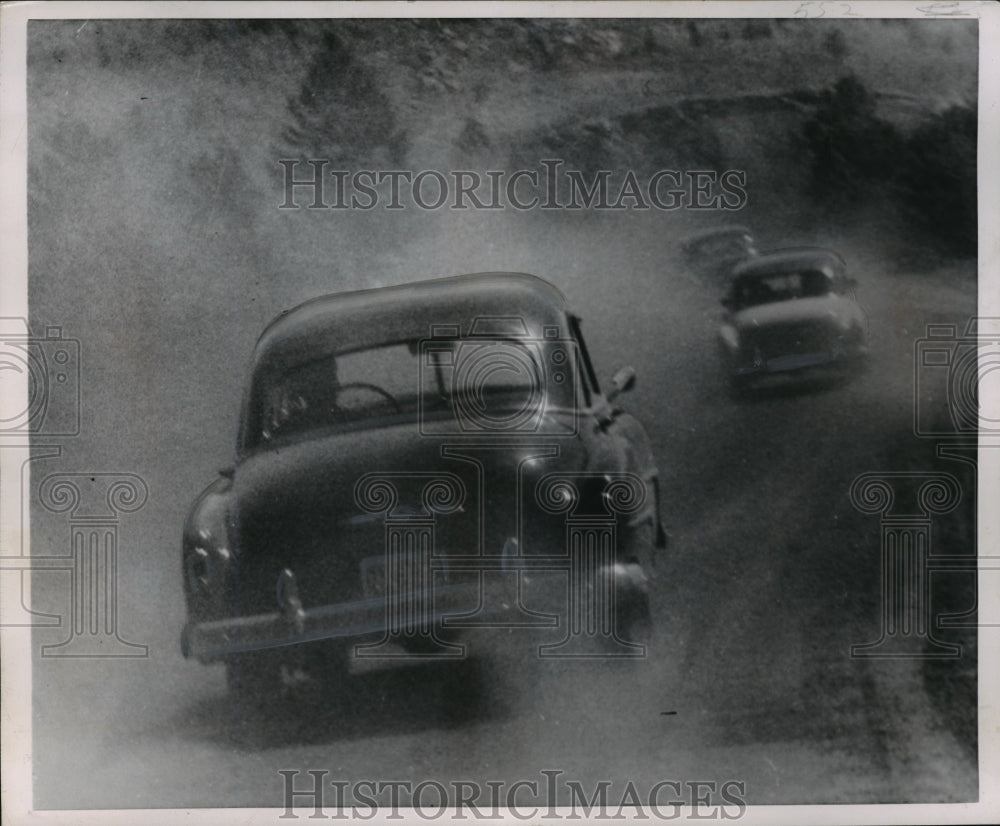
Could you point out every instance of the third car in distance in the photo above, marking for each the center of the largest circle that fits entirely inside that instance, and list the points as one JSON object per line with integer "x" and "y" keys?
{"x": 789, "y": 312}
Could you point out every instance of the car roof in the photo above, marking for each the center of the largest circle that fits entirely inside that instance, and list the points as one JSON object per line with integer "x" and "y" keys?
{"x": 715, "y": 233}
{"x": 341, "y": 322}
{"x": 789, "y": 260}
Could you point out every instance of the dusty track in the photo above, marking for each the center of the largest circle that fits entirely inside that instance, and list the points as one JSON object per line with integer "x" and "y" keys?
{"x": 770, "y": 577}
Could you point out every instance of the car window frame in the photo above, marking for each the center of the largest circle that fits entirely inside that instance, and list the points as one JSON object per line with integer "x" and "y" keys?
{"x": 591, "y": 387}
{"x": 251, "y": 439}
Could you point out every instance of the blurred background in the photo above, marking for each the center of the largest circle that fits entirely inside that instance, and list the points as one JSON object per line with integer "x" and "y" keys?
{"x": 156, "y": 241}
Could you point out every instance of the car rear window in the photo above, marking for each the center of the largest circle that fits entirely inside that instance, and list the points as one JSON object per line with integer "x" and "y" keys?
{"x": 751, "y": 291}
{"x": 403, "y": 379}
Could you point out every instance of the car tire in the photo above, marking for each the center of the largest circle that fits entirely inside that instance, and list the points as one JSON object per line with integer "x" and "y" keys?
{"x": 736, "y": 383}
{"x": 465, "y": 690}
{"x": 329, "y": 681}
{"x": 739, "y": 386}
{"x": 253, "y": 680}
{"x": 633, "y": 615}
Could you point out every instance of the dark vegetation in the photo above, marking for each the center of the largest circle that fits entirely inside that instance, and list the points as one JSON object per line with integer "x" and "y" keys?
{"x": 851, "y": 153}
{"x": 893, "y": 140}
{"x": 929, "y": 174}
{"x": 341, "y": 109}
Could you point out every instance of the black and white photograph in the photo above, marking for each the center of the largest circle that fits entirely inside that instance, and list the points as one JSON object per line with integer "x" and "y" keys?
{"x": 515, "y": 411}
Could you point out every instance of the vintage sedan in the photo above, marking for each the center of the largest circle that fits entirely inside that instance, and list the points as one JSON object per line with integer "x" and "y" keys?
{"x": 788, "y": 312}
{"x": 416, "y": 464}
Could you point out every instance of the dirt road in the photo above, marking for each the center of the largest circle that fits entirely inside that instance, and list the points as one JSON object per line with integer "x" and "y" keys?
{"x": 770, "y": 577}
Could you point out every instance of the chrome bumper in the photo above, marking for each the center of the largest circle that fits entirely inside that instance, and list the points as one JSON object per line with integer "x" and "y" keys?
{"x": 790, "y": 363}
{"x": 498, "y": 601}
{"x": 216, "y": 639}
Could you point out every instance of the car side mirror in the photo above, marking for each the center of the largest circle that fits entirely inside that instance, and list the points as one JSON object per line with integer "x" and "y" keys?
{"x": 621, "y": 382}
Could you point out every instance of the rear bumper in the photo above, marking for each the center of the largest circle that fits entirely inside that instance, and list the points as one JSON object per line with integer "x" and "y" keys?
{"x": 785, "y": 364}
{"x": 793, "y": 362}
{"x": 217, "y": 639}
{"x": 746, "y": 353}
{"x": 535, "y": 594}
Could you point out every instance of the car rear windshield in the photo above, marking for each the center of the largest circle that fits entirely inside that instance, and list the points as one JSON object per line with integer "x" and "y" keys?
{"x": 430, "y": 377}
{"x": 751, "y": 291}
